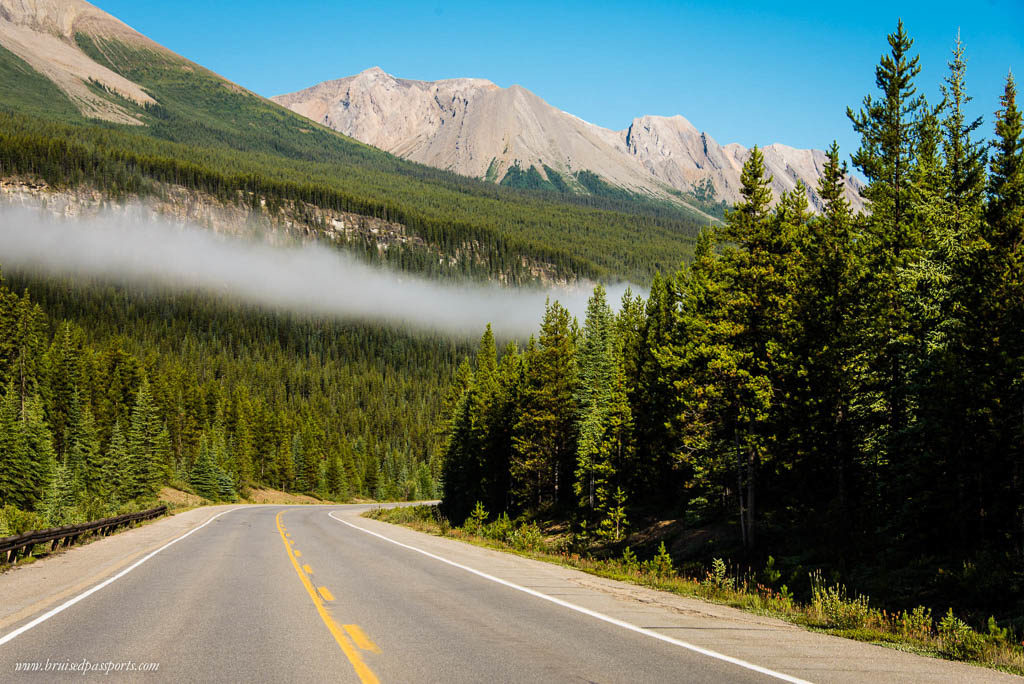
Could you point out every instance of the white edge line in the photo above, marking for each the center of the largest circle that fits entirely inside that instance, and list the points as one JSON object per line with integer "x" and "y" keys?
{"x": 88, "y": 592}
{"x": 587, "y": 611}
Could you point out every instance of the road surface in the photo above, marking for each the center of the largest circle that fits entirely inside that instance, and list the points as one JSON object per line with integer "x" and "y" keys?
{"x": 319, "y": 594}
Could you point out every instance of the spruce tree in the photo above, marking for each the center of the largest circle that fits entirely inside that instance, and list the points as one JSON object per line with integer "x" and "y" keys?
{"x": 1005, "y": 232}
{"x": 204, "y": 475}
{"x": 596, "y": 359}
{"x": 1006, "y": 177}
{"x": 42, "y": 457}
{"x": 964, "y": 156}
{"x": 15, "y": 465}
{"x": 147, "y": 470}
{"x": 58, "y": 505}
{"x": 888, "y": 127}
{"x": 117, "y": 469}
{"x": 334, "y": 476}
{"x": 545, "y": 433}
{"x": 86, "y": 453}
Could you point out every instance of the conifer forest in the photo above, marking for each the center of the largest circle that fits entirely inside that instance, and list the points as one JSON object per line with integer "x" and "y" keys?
{"x": 843, "y": 391}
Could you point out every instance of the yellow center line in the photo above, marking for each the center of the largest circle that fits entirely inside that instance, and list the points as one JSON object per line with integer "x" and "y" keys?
{"x": 326, "y": 593}
{"x": 362, "y": 641}
{"x": 298, "y": 554}
{"x": 364, "y": 673}
{"x": 308, "y": 570}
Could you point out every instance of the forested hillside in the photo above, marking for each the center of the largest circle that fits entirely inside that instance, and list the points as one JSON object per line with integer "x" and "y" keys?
{"x": 843, "y": 392}
{"x": 109, "y": 395}
{"x": 207, "y": 134}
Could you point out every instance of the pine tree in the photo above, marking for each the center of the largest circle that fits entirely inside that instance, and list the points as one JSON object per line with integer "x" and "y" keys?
{"x": 656, "y": 478}
{"x": 1006, "y": 178}
{"x": 964, "y": 156}
{"x": 204, "y": 476}
{"x": 1005, "y": 232}
{"x": 888, "y": 128}
{"x": 117, "y": 472}
{"x": 596, "y": 359}
{"x": 147, "y": 470}
{"x": 468, "y": 452}
{"x": 86, "y": 453}
{"x": 334, "y": 476}
{"x": 58, "y": 505}
{"x": 42, "y": 457}
{"x": 15, "y": 466}
{"x": 616, "y": 455}
{"x": 545, "y": 434}
{"x": 63, "y": 386}
{"x": 824, "y": 422}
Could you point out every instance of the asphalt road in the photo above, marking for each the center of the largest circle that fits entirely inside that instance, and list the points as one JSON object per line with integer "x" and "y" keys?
{"x": 287, "y": 594}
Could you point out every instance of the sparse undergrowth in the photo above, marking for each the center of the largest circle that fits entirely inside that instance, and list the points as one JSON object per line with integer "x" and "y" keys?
{"x": 830, "y": 609}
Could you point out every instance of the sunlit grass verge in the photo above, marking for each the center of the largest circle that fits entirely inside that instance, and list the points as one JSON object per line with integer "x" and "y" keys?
{"x": 830, "y": 608}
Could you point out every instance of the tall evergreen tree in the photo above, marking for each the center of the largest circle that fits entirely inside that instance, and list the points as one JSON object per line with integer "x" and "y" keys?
{"x": 596, "y": 362}
{"x": 545, "y": 434}
{"x": 117, "y": 472}
{"x": 888, "y": 128}
{"x": 147, "y": 471}
{"x": 15, "y": 463}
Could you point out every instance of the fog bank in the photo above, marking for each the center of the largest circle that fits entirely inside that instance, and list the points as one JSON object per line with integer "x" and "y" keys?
{"x": 311, "y": 278}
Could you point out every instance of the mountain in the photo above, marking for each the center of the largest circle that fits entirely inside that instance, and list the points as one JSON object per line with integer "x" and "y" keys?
{"x": 41, "y": 33}
{"x": 91, "y": 108}
{"x": 477, "y": 129}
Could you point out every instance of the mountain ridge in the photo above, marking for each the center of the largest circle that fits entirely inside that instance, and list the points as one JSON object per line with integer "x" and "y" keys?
{"x": 475, "y": 128}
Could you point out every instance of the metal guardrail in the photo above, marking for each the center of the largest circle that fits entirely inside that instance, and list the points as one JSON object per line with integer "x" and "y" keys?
{"x": 12, "y": 547}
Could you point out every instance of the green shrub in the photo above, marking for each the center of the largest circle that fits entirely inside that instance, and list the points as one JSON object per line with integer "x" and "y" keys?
{"x": 959, "y": 641}
{"x": 770, "y": 575}
{"x": 717, "y": 577}
{"x": 629, "y": 561}
{"x": 500, "y": 530}
{"x": 527, "y": 538}
{"x": 916, "y": 624}
{"x": 475, "y": 522}
{"x": 835, "y": 608}
{"x": 20, "y": 522}
{"x": 661, "y": 565}
{"x": 997, "y": 634}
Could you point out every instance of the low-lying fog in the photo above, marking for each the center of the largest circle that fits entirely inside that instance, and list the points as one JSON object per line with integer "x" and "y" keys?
{"x": 311, "y": 278}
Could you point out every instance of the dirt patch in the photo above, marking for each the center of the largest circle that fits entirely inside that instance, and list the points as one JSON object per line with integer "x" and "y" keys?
{"x": 274, "y": 496}
{"x": 176, "y": 497}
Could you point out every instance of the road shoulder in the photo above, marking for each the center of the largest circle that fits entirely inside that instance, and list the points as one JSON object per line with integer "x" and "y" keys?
{"x": 765, "y": 641}
{"x": 30, "y": 588}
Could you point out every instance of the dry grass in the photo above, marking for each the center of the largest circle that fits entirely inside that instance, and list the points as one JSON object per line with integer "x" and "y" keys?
{"x": 177, "y": 498}
{"x": 274, "y": 496}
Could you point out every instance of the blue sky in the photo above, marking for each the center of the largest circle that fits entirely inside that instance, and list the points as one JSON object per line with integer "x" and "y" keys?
{"x": 748, "y": 72}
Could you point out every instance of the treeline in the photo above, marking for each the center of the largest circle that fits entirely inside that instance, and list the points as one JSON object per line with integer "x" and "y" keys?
{"x": 847, "y": 390}
{"x": 206, "y": 136}
{"x": 107, "y": 396}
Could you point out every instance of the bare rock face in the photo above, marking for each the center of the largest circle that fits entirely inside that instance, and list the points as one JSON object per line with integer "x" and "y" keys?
{"x": 474, "y": 128}
{"x": 469, "y": 126}
{"x": 42, "y": 33}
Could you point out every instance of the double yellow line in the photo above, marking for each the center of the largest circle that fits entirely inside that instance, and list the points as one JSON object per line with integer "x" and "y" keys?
{"x": 337, "y": 631}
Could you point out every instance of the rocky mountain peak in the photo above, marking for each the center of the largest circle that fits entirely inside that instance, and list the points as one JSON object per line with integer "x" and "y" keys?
{"x": 475, "y": 128}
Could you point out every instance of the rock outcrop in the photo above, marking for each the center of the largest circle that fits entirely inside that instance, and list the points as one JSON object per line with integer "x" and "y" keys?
{"x": 475, "y": 128}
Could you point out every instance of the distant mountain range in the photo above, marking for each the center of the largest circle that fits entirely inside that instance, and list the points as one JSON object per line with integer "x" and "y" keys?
{"x": 511, "y": 136}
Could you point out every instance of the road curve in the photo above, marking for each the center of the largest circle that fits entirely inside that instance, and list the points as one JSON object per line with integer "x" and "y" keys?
{"x": 316, "y": 593}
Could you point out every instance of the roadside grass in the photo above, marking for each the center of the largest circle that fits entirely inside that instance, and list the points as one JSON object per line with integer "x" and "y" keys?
{"x": 830, "y": 610}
